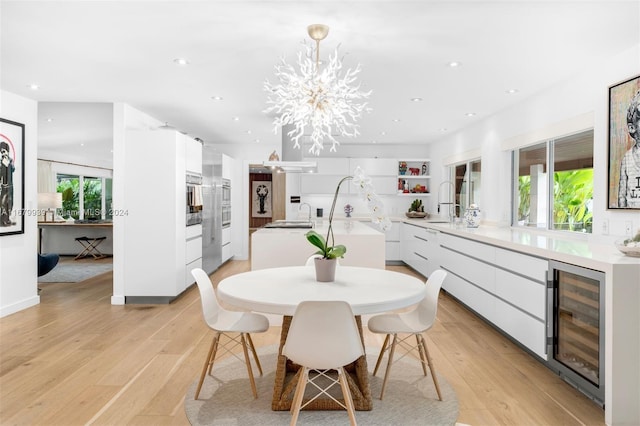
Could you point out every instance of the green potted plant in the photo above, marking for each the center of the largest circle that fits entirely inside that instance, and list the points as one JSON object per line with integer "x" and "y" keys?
{"x": 416, "y": 209}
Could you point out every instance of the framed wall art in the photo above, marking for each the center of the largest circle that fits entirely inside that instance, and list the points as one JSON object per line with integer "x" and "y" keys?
{"x": 623, "y": 189}
{"x": 261, "y": 205}
{"x": 11, "y": 177}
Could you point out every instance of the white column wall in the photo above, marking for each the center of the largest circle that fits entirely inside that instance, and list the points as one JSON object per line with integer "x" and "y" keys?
{"x": 18, "y": 260}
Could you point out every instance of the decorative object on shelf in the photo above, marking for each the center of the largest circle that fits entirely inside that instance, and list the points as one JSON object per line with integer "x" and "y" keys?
{"x": 424, "y": 170}
{"x": 348, "y": 209}
{"x": 402, "y": 168}
{"x": 327, "y": 101}
{"x": 472, "y": 216}
{"x": 416, "y": 210}
{"x": 630, "y": 246}
{"x": 326, "y": 246}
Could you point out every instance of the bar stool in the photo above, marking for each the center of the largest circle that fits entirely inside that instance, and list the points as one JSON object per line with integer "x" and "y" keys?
{"x": 90, "y": 247}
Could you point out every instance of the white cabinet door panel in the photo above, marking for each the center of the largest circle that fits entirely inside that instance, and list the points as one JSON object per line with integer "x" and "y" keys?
{"x": 526, "y": 265}
{"x": 472, "y": 270}
{"x": 194, "y": 249}
{"x": 375, "y": 166}
{"x": 477, "y": 299}
{"x": 392, "y": 250}
{"x": 522, "y": 327}
{"x": 470, "y": 248}
{"x": 530, "y": 296}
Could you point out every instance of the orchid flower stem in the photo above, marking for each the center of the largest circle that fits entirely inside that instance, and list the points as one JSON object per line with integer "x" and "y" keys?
{"x": 333, "y": 207}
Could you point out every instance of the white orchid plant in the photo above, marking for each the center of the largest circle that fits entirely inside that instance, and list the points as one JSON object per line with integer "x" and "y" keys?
{"x": 374, "y": 204}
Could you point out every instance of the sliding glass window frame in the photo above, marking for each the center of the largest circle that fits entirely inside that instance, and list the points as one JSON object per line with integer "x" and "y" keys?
{"x": 579, "y": 204}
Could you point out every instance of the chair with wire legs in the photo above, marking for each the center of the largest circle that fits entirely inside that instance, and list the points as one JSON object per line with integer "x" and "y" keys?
{"x": 413, "y": 324}
{"x": 323, "y": 336}
{"x": 236, "y": 326}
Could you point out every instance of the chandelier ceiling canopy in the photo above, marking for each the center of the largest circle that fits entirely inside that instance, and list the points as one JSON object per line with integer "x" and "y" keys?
{"x": 320, "y": 103}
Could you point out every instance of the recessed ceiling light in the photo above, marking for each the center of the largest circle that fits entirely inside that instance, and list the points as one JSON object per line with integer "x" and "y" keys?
{"x": 396, "y": 120}
{"x": 470, "y": 114}
{"x": 217, "y": 98}
{"x": 235, "y": 118}
{"x": 49, "y": 120}
{"x": 416, "y": 99}
{"x": 383, "y": 133}
{"x": 33, "y": 86}
{"x": 257, "y": 141}
{"x": 512, "y": 91}
{"x": 454, "y": 64}
{"x": 443, "y": 129}
{"x": 181, "y": 61}
{"x": 81, "y": 144}
{"x": 248, "y": 132}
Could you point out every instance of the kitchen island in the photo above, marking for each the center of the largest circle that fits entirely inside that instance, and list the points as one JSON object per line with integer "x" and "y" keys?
{"x": 275, "y": 247}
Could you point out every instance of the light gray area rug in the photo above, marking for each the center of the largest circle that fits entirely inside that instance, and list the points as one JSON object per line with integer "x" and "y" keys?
{"x": 74, "y": 272}
{"x": 410, "y": 398}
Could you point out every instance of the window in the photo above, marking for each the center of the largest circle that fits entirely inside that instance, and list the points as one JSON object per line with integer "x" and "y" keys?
{"x": 467, "y": 179}
{"x": 566, "y": 201}
{"x": 95, "y": 196}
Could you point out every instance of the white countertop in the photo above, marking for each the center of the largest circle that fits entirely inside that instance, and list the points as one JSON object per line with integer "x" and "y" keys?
{"x": 339, "y": 226}
{"x": 576, "y": 250}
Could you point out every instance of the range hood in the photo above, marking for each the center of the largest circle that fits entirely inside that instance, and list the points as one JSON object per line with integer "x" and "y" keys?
{"x": 291, "y": 157}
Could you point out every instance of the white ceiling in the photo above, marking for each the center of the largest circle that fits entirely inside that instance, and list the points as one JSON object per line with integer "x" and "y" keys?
{"x": 123, "y": 51}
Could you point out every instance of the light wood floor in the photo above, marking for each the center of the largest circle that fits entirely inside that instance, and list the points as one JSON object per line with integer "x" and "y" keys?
{"x": 76, "y": 359}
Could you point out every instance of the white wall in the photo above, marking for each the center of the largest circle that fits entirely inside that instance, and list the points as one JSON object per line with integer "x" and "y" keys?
{"x": 124, "y": 118}
{"x": 581, "y": 96}
{"x": 18, "y": 260}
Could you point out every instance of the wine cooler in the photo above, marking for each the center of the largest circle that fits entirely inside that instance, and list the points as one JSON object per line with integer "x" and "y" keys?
{"x": 575, "y": 328}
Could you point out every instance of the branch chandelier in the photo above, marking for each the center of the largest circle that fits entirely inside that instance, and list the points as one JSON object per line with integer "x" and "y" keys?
{"x": 326, "y": 101}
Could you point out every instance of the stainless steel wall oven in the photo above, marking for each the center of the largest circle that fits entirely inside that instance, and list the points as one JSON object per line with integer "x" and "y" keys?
{"x": 575, "y": 328}
{"x": 194, "y": 199}
{"x": 226, "y": 203}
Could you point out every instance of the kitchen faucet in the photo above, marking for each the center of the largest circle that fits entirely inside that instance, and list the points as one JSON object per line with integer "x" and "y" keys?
{"x": 308, "y": 205}
{"x": 452, "y": 205}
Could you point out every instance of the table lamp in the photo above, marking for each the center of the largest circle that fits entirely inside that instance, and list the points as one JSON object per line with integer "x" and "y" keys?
{"x": 49, "y": 202}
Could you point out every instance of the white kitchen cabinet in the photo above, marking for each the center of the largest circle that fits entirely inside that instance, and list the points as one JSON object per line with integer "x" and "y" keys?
{"x": 420, "y": 248}
{"x": 505, "y": 287}
{"x": 193, "y": 155}
{"x": 374, "y": 166}
{"x": 227, "y": 167}
{"x": 332, "y": 166}
{"x": 312, "y": 183}
{"x": 154, "y": 216}
{"x": 227, "y": 247}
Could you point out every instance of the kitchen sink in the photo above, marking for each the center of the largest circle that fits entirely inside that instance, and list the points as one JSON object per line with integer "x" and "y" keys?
{"x": 300, "y": 224}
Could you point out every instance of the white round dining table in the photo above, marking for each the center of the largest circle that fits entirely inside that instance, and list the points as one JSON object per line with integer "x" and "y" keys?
{"x": 280, "y": 290}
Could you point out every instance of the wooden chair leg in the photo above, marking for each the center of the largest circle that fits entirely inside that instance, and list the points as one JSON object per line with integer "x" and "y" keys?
{"x": 299, "y": 395}
{"x": 207, "y": 363}
{"x": 346, "y": 393}
{"x": 433, "y": 370}
{"x": 215, "y": 351}
{"x": 255, "y": 354}
{"x": 384, "y": 347}
{"x": 423, "y": 359}
{"x": 389, "y": 362}
{"x": 248, "y": 362}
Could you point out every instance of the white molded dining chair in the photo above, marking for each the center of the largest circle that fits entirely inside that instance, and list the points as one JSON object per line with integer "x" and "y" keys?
{"x": 412, "y": 323}
{"x": 323, "y": 336}
{"x": 235, "y": 325}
